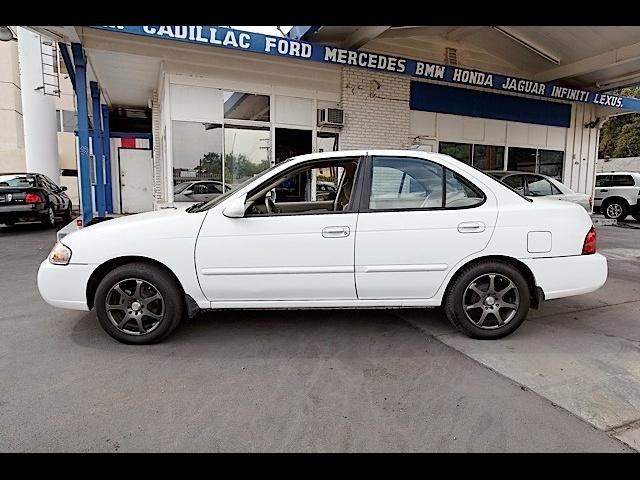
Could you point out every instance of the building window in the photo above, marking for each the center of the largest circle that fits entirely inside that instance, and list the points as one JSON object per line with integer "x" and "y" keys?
{"x": 484, "y": 157}
{"x": 197, "y": 151}
{"x": 247, "y": 152}
{"x": 522, "y": 159}
{"x": 546, "y": 162}
{"x": 58, "y": 121}
{"x": 459, "y": 151}
{"x": 551, "y": 163}
{"x": 488, "y": 157}
{"x": 247, "y": 106}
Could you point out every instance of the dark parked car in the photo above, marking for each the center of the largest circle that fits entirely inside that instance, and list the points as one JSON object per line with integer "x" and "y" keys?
{"x": 32, "y": 197}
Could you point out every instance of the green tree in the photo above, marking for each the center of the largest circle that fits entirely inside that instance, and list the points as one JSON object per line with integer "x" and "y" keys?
{"x": 620, "y": 135}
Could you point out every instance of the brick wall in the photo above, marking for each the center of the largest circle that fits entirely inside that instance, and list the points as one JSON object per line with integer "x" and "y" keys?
{"x": 376, "y": 109}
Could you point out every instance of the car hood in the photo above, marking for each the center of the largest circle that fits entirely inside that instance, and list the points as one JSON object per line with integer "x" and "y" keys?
{"x": 132, "y": 234}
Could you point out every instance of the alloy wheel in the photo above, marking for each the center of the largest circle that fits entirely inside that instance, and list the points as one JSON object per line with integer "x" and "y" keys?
{"x": 135, "y": 306}
{"x": 491, "y": 301}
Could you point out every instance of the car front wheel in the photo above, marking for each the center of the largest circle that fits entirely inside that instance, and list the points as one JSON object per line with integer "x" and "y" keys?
{"x": 488, "y": 300}
{"x": 139, "y": 303}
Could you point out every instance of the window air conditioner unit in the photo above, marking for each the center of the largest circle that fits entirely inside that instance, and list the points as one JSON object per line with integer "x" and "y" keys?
{"x": 330, "y": 117}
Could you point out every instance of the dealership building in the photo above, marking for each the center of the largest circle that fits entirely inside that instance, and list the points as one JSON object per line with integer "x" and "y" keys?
{"x": 202, "y": 102}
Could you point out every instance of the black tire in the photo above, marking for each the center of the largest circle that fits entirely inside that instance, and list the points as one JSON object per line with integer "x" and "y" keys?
{"x": 458, "y": 294}
{"x": 166, "y": 286}
{"x": 67, "y": 215}
{"x": 48, "y": 219}
{"x": 616, "y": 205}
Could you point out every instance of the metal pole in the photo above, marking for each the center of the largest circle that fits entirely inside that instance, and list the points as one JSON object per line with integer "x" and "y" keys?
{"x": 106, "y": 147}
{"x": 98, "y": 148}
{"x": 86, "y": 206}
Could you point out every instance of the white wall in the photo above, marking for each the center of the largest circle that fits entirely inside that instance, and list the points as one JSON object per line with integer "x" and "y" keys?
{"x": 628, "y": 164}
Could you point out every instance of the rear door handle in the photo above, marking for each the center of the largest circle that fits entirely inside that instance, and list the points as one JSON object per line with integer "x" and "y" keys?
{"x": 604, "y": 191}
{"x": 336, "y": 232}
{"x": 471, "y": 227}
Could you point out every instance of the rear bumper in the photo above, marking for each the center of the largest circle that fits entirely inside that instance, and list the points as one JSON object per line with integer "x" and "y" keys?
{"x": 64, "y": 286}
{"x": 21, "y": 213}
{"x": 560, "y": 277}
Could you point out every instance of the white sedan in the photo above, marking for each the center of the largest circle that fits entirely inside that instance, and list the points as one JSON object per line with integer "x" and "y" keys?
{"x": 538, "y": 185}
{"x": 405, "y": 229}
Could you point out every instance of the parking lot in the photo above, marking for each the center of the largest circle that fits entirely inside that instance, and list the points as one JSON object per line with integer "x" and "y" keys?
{"x": 354, "y": 380}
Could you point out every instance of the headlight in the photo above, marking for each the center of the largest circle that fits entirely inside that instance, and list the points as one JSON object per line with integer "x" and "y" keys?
{"x": 60, "y": 254}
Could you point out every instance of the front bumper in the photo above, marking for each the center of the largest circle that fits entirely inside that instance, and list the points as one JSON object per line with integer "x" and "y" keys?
{"x": 64, "y": 286}
{"x": 567, "y": 276}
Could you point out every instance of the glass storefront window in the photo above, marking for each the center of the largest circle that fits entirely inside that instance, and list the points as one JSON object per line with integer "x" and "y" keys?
{"x": 459, "y": 151}
{"x": 247, "y": 152}
{"x": 197, "y": 151}
{"x": 246, "y": 106}
{"x": 551, "y": 162}
{"x": 488, "y": 157}
{"x": 522, "y": 159}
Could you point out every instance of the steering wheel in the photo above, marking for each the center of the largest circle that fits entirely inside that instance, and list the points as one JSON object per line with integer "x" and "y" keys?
{"x": 271, "y": 205}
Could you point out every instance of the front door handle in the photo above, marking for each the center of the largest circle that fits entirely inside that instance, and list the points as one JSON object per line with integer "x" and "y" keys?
{"x": 336, "y": 232}
{"x": 471, "y": 227}
{"x": 604, "y": 191}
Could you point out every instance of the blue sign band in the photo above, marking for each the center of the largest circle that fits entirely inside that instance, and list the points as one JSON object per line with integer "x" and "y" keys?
{"x": 285, "y": 47}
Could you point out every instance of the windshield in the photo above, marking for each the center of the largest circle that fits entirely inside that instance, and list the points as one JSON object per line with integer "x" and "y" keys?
{"x": 212, "y": 203}
{"x": 181, "y": 187}
{"x": 17, "y": 180}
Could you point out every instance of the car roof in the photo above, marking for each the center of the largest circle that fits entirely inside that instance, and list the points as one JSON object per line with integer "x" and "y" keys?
{"x": 618, "y": 173}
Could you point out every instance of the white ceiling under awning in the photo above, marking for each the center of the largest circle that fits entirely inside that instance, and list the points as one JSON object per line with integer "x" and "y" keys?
{"x": 125, "y": 79}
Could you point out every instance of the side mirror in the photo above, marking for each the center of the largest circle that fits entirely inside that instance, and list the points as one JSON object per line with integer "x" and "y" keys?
{"x": 188, "y": 192}
{"x": 235, "y": 209}
{"x": 63, "y": 189}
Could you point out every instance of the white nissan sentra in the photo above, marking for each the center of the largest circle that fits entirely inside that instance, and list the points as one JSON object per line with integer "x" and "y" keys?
{"x": 401, "y": 229}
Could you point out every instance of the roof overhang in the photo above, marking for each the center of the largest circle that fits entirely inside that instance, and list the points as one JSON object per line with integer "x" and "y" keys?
{"x": 593, "y": 58}
{"x": 487, "y": 57}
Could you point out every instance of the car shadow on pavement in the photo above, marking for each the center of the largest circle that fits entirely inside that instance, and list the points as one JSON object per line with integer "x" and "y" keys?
{"x": 282, "y": 333}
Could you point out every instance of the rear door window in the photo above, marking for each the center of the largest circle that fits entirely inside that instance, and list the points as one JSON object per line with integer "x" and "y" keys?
{"x": 538, "y": 186}
{"x": 516, "y": 182}
{"x": 623, "y": 181}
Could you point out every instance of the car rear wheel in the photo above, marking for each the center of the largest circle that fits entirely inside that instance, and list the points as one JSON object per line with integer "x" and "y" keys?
{"x": 49, "y": 219}
{"x": 67, "y": 215}
{"x": 616, "y": 209}
{"x": 488, "y": 300}
{"x": 139, "y": 303}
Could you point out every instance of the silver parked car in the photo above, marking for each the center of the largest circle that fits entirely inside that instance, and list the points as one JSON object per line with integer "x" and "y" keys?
{"x": 618, "y": 194}
{"x": 537, "y": 185}
{"x": 199, "y": 191}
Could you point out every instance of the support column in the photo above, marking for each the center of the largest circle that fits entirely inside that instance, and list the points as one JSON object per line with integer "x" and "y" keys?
{"x": 98, "y": 149}
{"x": 84, "y": 172}
{"x": 38, "y": 110}
{"x": 106, "y": 148}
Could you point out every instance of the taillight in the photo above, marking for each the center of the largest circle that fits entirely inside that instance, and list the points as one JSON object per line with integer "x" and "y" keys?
{"x": 589, "y": 245}
{"x": 33, "y": 198}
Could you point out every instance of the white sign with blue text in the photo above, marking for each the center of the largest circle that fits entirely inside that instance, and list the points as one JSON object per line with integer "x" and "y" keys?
{"x": 284, "y": 47}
